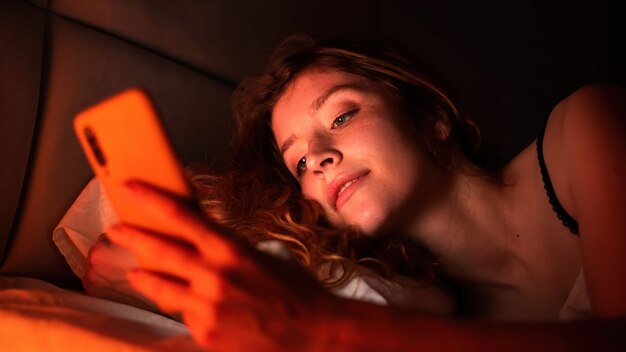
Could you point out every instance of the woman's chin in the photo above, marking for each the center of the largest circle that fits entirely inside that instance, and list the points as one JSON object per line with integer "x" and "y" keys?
{"x": 367, "y": 223}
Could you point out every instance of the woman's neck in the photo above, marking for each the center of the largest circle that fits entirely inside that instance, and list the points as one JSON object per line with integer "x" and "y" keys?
{"x": 467, "y": 227}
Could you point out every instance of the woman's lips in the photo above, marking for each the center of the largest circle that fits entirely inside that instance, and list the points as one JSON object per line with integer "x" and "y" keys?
{"x": 343, "y": 186}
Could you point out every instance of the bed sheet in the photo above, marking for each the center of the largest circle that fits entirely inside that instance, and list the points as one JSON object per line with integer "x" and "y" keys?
{"x": 38, "y": 316}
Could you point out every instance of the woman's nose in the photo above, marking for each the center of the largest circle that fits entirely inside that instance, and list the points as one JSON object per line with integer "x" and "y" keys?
{"x": 324, "y": 158}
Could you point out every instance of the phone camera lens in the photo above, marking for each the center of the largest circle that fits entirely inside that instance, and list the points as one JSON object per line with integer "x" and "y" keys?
{"x": 95, "y": 147}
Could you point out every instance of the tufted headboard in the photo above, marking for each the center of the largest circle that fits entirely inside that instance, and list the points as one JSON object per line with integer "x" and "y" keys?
{"x": 508, "y": 62}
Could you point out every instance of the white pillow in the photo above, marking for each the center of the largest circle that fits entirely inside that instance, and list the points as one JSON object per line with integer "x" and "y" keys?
{"x": 82, "y": 224}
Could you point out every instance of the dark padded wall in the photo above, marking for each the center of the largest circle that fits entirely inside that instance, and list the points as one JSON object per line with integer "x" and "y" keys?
{"x": 21, "y": 50}
{"x": 229, "y": 38}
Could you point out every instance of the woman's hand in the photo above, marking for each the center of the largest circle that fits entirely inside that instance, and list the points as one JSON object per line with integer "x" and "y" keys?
{"x": 105, "y": 274}
{"x": 231, "y": 296}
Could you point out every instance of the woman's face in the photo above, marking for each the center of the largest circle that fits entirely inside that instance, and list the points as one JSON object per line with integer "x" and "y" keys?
{"x": 350, "y": 146}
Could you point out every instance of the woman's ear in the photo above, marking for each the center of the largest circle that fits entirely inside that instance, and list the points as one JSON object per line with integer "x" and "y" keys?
{"x": 442, "y": 129}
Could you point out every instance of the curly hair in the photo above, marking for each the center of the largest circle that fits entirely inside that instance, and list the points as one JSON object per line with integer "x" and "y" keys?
{"x": 259, "y": 199}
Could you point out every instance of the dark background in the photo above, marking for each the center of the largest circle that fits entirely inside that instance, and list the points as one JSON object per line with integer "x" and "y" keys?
{"x": 508, "y": 62}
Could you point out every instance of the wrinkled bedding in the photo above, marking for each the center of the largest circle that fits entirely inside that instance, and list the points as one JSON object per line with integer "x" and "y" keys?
{"x": 38, "y": 316}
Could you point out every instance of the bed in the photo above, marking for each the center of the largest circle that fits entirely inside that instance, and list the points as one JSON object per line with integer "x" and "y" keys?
{"x": 512, "y": 61}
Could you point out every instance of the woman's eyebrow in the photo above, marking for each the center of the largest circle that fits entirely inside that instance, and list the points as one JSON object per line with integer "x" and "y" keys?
{"x": 322, "y": 99}
{"x": 319, "y": 103}
{"x": 287, "y": 144}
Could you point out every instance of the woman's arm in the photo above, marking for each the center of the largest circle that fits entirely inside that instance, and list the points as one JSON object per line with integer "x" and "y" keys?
{"x": 589, "y": 134}
{"x": 359, "y": 326}
{"x": 234, "y": 298}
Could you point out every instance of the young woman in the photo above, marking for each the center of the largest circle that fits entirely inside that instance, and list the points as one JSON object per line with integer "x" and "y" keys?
{"x": 340, "y": 154}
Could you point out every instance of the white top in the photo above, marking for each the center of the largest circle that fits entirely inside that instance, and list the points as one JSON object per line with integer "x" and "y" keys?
{"x": 576, "y": 305}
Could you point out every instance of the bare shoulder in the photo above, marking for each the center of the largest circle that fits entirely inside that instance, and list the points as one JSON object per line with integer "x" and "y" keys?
{"x": 593, "y": 139}
{"x": 595, "y": 108}
{"x": 586, "y": 135}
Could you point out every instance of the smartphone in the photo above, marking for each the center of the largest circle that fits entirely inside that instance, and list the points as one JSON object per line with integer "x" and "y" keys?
{"x": 123, "y": 139}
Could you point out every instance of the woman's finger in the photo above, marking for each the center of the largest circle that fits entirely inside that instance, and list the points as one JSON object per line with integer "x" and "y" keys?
{"x": 197, "y": 324}
{"x": 184, "y": 221}
{"x": 160, "y": 254}
{"x": 150, "y": 247}
{"x": 172, "y": 295}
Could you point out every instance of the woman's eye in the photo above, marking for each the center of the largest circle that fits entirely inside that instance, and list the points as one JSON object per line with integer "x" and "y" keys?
{"x": 343, "y": 119}
{"x": 301, "y": 166}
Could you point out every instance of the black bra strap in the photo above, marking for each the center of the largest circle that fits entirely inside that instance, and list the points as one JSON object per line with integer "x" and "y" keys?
{"x": 561, "y": 213}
